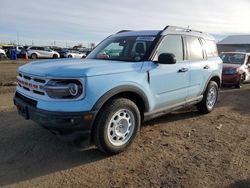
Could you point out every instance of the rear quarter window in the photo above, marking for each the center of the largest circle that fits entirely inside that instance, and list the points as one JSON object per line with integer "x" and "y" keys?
{"x": 210, "y": 48}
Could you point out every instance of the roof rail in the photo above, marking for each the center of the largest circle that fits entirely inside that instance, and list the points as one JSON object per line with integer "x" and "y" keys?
{"x": 176, "y": 28}
{"x": 122, "y": 31}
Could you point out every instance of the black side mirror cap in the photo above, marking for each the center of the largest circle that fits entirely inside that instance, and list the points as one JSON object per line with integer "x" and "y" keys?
{"x": 166, "y": 58}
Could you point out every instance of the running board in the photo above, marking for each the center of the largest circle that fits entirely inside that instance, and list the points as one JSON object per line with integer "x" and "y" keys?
{"x": 162, "y": 111}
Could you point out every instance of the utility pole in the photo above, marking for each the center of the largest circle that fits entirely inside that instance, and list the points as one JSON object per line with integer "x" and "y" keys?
{"x": 17, "y": 38}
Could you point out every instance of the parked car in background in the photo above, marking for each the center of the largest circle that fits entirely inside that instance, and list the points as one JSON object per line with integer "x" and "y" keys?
{"x": 2, "y": 54}
{"x": 55, "y": 48}
{"x": 23, "y": 52}
{"x": 19, "y": 49}
{"x": 105, "y": 97}
{"x": 63, "y": 52}
{"x": 35, "y": 52}
{"x": 236, "y": 68}
{"x": 68, "y": 53}
{"x": 74, "y": 54}
{"x": 8, "y": 48}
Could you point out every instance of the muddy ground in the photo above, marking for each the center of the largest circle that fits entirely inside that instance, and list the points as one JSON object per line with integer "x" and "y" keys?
{"x": 182, "y": 149}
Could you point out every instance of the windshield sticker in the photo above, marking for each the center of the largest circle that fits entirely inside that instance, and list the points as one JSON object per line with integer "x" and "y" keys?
{"x": 145, "y": 38}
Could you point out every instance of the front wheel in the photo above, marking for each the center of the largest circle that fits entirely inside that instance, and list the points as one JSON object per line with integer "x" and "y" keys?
{"x": 116, "y": 125}
{"x": 33, "y": 56}
{"x": 242, "y": 79}
{"x": 55, "y": 56}
{"x": 209, "y": 98}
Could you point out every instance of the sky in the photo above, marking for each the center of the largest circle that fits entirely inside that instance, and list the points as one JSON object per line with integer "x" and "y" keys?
{"x": 61, "y": 22}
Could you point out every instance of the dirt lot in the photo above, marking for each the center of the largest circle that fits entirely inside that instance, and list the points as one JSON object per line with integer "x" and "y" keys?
{"x": 182, "y": 149}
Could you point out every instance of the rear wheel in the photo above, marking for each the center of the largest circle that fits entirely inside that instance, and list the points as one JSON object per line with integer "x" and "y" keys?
{"x": 209, "y": 98}
{"x": 69, "y": 56}
{"x": 33, "y": 56}
{"x": 55, "y": 56}
{"x": 242, "y": 79}
{"x": 116, "y": 125}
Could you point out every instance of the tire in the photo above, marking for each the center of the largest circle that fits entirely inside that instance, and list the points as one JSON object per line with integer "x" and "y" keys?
{"x": 1, "y": 57}
{"x": 55, "y": 56}
{"x": 242, "y": 79}
{"x": 209, "y": 98}
{"x": 70, "y": 56}
{"x": 33, "y": 56}
{"x": 116, "y": 125}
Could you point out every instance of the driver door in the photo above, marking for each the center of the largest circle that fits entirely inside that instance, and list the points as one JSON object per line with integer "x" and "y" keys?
{"x": 169, "y": 82}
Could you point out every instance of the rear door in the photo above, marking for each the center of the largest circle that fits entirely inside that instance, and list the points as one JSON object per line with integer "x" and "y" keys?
{"x": 169, "y": 82}
{"x": 200, "y": 69}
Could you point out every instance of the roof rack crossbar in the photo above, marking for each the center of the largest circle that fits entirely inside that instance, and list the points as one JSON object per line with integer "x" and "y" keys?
{"x": 175, "y": 28}
{"x": 122, "y": 31}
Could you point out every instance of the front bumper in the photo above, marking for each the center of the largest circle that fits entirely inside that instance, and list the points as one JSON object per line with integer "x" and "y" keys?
{"x": 67, "y": 125}
{"x": 230, "y": 79}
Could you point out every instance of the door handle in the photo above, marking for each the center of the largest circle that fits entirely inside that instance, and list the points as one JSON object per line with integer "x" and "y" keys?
{"x": 183, "y": 70}
{"x": 206, "y": 67}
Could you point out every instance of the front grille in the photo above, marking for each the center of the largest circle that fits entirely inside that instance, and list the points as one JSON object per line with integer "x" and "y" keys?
{"x": 38, "y": 92}
{"x": 39, "y": 80}
{"x": 31, "y": 83}
{"x": 26, "y": 88}
{"x": 27, "y": 77}
{"x": 26, "y": 99}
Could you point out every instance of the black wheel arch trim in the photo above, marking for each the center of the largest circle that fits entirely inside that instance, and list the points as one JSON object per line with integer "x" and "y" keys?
{"x": 121, "y": 89}
{"x": 211, "y": 78}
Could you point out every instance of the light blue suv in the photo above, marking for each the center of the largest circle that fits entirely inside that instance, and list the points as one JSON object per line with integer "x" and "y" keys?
{"x": 130, "y": 77}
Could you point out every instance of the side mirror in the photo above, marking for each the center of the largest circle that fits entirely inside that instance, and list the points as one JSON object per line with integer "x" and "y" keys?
{"x": 166, "y": 58}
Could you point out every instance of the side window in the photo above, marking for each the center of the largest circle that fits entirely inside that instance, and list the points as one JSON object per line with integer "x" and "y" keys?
{"x": 194, "y": 48}
{"x": 40, "y": 48}
{"x": 248, "y": 60}
{"x": 171, "y": 44}
{"x": 210, "y": 47}
{"x": 46, "y": 49}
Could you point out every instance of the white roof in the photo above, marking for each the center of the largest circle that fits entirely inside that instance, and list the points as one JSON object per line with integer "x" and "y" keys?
{"x": 236, "y": 39}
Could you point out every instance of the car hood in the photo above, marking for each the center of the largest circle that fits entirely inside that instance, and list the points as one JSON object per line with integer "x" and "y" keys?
{"x": 78, "y": 67}
{"x": 230, "y": 66}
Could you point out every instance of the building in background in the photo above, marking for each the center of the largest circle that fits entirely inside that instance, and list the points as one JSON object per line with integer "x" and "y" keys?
{"x": 234, "y": 43}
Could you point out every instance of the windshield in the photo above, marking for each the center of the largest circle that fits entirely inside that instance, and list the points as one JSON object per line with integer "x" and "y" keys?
{"x": 123, "y": 48}
{"x": 233, "y": 58}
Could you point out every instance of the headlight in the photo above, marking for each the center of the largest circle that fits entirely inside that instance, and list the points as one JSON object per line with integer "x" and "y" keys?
{"x": 231, "y": 71}
{"x": 64, "y": 89}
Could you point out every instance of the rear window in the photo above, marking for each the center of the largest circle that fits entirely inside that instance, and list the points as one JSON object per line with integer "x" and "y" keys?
{"x": 210, "y": 47}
